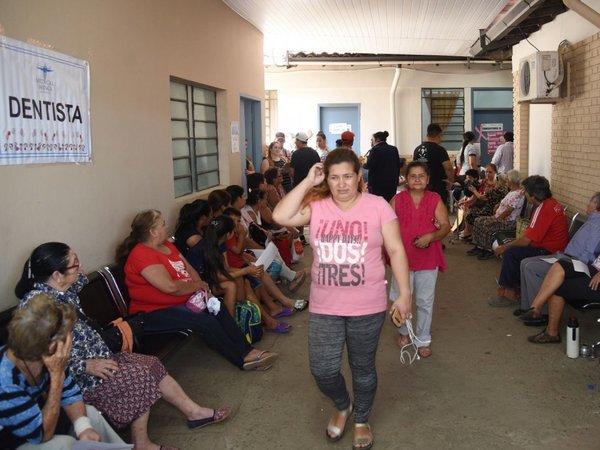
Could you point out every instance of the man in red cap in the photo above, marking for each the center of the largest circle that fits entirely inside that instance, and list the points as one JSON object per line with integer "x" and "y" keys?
{"x": 347, "y": 139}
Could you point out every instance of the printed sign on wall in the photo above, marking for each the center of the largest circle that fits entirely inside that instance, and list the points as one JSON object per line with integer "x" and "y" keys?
{"x": 44, "y": 105}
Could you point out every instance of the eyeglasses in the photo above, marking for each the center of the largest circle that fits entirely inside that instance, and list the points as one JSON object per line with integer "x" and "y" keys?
{"x": 74, "y": 266}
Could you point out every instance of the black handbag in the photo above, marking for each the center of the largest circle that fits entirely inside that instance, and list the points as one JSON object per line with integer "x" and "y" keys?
{"x": 258, "y": 234}
{"x": 112, "y": 335}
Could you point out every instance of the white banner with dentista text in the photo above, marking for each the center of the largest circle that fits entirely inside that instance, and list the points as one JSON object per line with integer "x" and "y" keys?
{"x": 44, "y": 106}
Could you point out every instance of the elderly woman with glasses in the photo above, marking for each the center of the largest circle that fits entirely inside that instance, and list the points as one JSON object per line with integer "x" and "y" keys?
{"x": 123, "y": 386}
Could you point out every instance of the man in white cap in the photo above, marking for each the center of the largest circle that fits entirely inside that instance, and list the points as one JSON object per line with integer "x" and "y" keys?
{"x": 302, "y": 160}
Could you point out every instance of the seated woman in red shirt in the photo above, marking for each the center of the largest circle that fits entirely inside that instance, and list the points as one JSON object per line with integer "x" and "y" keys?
{"x": 161, "y": 281}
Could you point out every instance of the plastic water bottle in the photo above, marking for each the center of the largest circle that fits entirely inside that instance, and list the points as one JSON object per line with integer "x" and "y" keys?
{"x": 572, "y": 338}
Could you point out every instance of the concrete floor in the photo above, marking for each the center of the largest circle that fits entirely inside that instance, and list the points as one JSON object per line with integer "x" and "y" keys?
{"x": 484, "y": 387}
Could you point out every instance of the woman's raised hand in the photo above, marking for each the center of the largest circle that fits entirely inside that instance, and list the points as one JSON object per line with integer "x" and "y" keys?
{"x": 59, "y": 357}
{"x": 316, "y": 174}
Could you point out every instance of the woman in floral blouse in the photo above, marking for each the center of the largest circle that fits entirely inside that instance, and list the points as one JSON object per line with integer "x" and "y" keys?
{"x": 137, "y": 381}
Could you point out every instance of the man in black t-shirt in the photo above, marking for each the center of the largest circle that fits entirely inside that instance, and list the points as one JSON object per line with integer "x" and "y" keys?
{"x": 303, "y": 158}
{"x": 441, "y": 175}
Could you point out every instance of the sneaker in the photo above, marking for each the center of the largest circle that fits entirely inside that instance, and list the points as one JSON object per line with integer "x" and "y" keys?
{"x": 519, "y": 312}
{"x": 485, "y": 255}
{"x": 544, "y": 338}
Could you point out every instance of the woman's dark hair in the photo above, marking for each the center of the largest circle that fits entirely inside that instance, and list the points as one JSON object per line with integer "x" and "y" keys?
{"x": 538, "y": 187}
{"x": 213, "y": 261}
{"x": 141, "y": 225}
{"x": 381, "y": 136}
{"x": 270, "y": 175}
{"x": 232, "y": 212}
{"x": 255, "y": 179}
{"x": 43, "y": 262}
{"x": 321, "y": 135}
{"x": 413, "y": 164}
{"x": 468, "y": 137}
{"x": 218, "y": 199}
{"x": 235, "y": 192}
{"x": 190, "y": 213}
{"x": 255, "y": 196}
{"x": 472, "y": 173}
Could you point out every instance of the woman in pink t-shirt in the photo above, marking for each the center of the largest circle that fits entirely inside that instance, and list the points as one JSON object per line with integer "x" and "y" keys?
{"x": 424, "y": 222}
{"x": 348, "y": 229}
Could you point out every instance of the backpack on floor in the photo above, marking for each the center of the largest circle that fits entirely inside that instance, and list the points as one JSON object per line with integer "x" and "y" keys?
{"x": 247, "y": 317}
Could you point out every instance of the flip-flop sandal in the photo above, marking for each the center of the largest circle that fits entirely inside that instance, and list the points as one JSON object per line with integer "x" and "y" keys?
{"x": 335, "y": 433}
{"x": 219, "y": 415}
{"x": 300, "y": 305}
{"x": 424, "y": 352}
{"x": 362, "y": 442}
{"x": 264, "y": 359}
{"x": 297, "y": 282}
{"x": 544, "y": 338}
{"x": 285, "y": 312}
{"x": 281, "y": 328}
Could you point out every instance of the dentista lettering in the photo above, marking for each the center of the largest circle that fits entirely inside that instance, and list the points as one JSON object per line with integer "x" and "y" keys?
{"x": 28, "y": 108}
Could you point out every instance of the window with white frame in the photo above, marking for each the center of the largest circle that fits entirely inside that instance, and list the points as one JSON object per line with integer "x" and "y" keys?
{"x": 193, "y": 137}
{"x": 446, "y": 107}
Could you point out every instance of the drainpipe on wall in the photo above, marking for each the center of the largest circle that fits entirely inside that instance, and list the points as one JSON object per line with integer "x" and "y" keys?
{"x": 393, "y": 105}
{"x": 590, "y": 14}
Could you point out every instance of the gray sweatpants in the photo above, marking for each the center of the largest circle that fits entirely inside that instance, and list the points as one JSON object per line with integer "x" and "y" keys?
{"x": 327, "y": 336}
{"x": 533, "y": 272}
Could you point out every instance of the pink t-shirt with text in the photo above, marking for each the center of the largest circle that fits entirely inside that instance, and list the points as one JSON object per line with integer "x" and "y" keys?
{"x": 348, "y": 271}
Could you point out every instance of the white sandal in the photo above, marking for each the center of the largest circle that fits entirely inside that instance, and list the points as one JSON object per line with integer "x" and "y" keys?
{"x": 300, "y": 305}
{"x": 335, "y": 433}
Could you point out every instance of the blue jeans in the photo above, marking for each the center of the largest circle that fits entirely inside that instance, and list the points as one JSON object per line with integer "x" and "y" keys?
{"x": 220, "y": 332}
{"x": 510, "y": 275}
{"x": 326, "y": 338}
{"x": 422, "y": 283}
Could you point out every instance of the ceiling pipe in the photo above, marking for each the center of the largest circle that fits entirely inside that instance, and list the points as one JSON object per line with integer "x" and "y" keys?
{"x": 590, "y": 14}
{"x": 296, "y": 58}
{"x": 393, "y": 103}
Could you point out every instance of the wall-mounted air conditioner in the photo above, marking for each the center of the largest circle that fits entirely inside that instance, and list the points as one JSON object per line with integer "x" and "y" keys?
{"x": 539, "y": 77}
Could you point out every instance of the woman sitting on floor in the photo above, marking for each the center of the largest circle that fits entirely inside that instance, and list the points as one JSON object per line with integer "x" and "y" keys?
{"x": 504, "y": 219}
{"x": 161, "y": 281}
{"x": 123, "y": 386}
